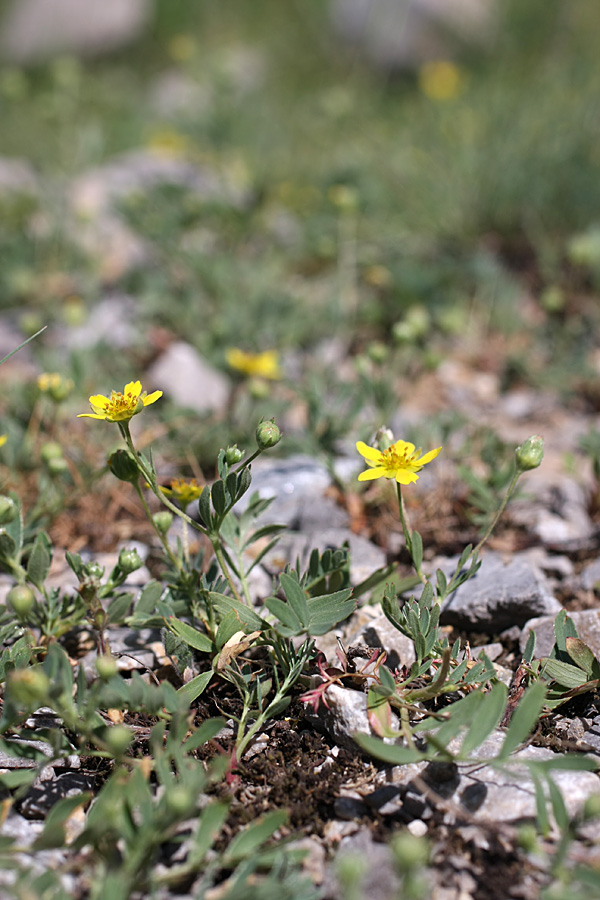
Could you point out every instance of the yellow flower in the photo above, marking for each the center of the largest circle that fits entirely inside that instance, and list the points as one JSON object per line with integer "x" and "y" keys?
{"x": 441, "y": 80}
{"x": 184, "y": 491}
{"x": 120, "y": 407}
{"x": 263, "y": 365}
{"x": 400, "y": 461}
{"x": 55, "y": 385}
{"x": 3, "y": 439}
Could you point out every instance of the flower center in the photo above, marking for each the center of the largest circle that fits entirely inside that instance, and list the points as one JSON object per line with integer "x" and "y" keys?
{"x": 120, "y": 403}
{"x": 393, "y": 459}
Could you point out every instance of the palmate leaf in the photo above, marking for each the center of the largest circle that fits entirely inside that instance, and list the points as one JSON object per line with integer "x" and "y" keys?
{"x": 329, "y": 609}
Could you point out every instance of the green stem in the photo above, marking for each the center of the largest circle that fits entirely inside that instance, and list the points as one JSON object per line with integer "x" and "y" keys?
{"x": 162, "y": 538}
{"x": 407, "y": 533}
{"x": 501, "y": 508}
{"x": 214, "y": 539}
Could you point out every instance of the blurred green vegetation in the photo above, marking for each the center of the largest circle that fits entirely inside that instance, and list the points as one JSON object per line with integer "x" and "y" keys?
{"x": 367, "y": 198}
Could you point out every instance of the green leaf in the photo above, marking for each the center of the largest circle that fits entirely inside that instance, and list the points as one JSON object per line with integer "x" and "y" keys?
{"x": 395, "y": 754}
{"x": 564, "y": 627}
{"x": 558, "y": 805}
{"x": 581, "y": 655}
{"x": 529, "y": 648}
{"x": 565, "y": 674}
{"x": 247, "y": 617}
{"x": 148, "y": 598}
{"x": 541, "y": 805}
{"x": 192, "y": 690}
{"x": 329, "y": 609}
{"x": 286, "y": 615}
{"x": 417, "y": 549}
{"x": 488, "y": 717}
{"x": 524, "y": 718}
{"x": 54, "y": 834}
{"x": 296, "y": 597}
{"x": 211, "y": 822}
{"x": 119, "y": 607}
{"x": 39, "y": 561}
{"x": 191, "y": 636}
{"x": 248, "y": 841}
{"x": 205, "y": 732}
{"x": 204, "y": 507}
{"x": 442, "y": 582}
{"x": 219, "y": 497}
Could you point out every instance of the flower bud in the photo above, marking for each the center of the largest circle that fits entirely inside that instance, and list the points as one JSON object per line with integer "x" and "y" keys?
{"x": 129, "y": 561}
{"x": 29, "y": 686}
{"x": 409, "y": 850}
{"x": 267, "y": 435}
{"x": 117, "y": 739}
{"x": 384, "y": 438}
{"x": 21, "y": 599}
{"x": 106, "y": 667}
{"x": 163, "y": 521}
{"x": 179, "y": 801}
{"x": 123, "y": 466}
{"x": 377, "y": 352}
{"x": 530, "y": 454}
{"x": 8, "y": 509}
{"x": 93, "y": 569}
{"x": 233, "y": 455}
{"x": 57, "y": 466}
{"x": 51, "y": 450}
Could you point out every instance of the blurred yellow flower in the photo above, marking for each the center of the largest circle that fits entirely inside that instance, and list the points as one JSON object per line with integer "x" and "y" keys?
{"x": 261, "y": 365}
{"x": 3, "y": 439}
{"x": 400, "y": 461}
{"x": 120, "y": 407}
{"x": 181, "y": 47}
{"x": 183, "y": 490}
{"x": 168, "y": 143}
{"x": 55, "y": 385}
{"x": 441, "y": 80}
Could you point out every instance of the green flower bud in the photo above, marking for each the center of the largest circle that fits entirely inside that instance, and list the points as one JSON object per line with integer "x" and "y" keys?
{"x": 530, "y": 454}
{"x": 8, "y": 509}
{"x": 377, "y": 352}
{"x": 117, "y": 739}
{"x": 29, "y": 687}
{"x": 527, "y": 837}
{"x": 234, "y": 455}
{"x": 410, "y": 851}
{"x": 129, "y": 561}
{"x": 106, "y": 667}
{"x": 21, "y": 600}
{"x": 384, "y": 438}
{"x": 57, "y": 466}
{"x": 124, "y": 466}
{"x": 591, "y": 807}
{"x": 93, "y": 570}
{"x": 267, "y": 435}
{"x": 51, "y": 450}
{"x": 179, "y": 801}
{"x": 163, "y": 521}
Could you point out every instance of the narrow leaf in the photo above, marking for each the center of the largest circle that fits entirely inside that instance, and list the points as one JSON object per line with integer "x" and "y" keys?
{"x": 488, "y": 717}
{"x": 191, "y": 636}
{"x": 192, "y": 690}
{"x": 524, "y": 718}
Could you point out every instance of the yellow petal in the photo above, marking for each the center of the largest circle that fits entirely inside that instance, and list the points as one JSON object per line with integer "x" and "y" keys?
{"x": 371, "y": 454}
{"x": 371, "y": 474}
{"x": 99, "y": 401}
{"x": 405, "y": 447}
{"x": 152, "y": 398}
{"x": 406, "y": 477}
{"x": 134, "y": 388}
{"x": 428, "y": 457}
{"x": 90, "y": 416}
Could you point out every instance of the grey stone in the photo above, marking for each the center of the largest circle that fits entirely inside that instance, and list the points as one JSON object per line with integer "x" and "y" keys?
{"x": 496, "y": 794}
{"x": 587, "y": 623}
{"x": 294, "y": 485}
{"x": 110, "y": 321}
{"x": 36, "y": 30}
{"x": 349, "y": 808}
{"x": 557, "y": 513}
{"x": 400, "y": 34}
{"x": 501, "y": 594}
{"x": 590, "y": 575}
{"x": 344, "y": 716}
{"x": 188, "y": 380}
{"x": 42, "y": 795}
{"x": 378, "y": 880}
{"x": 369, "y": 626}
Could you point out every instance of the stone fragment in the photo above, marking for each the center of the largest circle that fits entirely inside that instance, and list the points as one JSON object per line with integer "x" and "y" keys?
{"x": 371, "y": 628}
{"x": 400, "y": 34}
{"x": 378, "y": 879}
{"x": 110, "y": 321}
{"x": 590, "y": 576}
{"x": 17, "y": 177}
{"x": 344, "y": 716}
{"x": 34, "y": 31}
{"x": 501, "y": 594}
{"x": 557, "y": 513}
{"x": 496, "y": 794}
{"x": 188, "y": 380}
